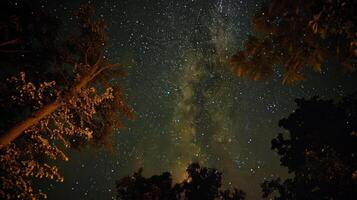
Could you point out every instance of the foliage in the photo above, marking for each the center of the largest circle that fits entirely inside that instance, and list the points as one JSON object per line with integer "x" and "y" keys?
{"x": 320, "y": 151}
{"x": 28, "y": 38}
{"x": 201, "y": 183}
{"x": 297, "y": 35}
{"x": 70, "y": 102}
{"x": 138, "y": 187}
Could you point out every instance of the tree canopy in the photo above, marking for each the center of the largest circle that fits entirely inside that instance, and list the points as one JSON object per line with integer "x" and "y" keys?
{"x": 296, "y": 35}
{"x": 319, "y": 150}
{"x": 60, "y": 95}
{"x": 201, "y": 183}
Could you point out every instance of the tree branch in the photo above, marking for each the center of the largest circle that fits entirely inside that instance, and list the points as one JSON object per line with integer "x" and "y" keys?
{"x": 14, "y": 41}
{"x": 48, "y": 109}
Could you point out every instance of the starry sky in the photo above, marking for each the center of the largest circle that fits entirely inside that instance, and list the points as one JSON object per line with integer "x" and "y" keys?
{"x": 188, "y": 105}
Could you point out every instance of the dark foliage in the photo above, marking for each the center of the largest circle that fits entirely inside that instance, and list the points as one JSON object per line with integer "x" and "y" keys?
{"x": 33, "y": 41}
{"x": 56, "y": 92}
{"x": 320, "y": 150}
{"x": 28, "y": 39}
{"x": 296, "y": 35}
{"x": 27, "y": 43}
{"x": 201, "y": 183}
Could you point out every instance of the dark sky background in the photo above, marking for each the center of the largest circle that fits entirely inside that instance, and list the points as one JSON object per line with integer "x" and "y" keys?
{"x": 188, "y": 105}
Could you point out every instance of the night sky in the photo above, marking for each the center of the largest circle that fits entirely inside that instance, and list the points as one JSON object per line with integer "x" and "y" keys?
{"x": 188, "y": 105}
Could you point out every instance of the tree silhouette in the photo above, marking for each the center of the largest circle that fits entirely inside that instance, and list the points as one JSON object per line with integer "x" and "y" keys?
{"x": 320, "y": 151}
{"x": 201, "y": 183}
{"x": 137, "y": 187}
{"x": 69, "y": 102}
{"x": 28, "y": 36}
{"x": 297, "y": 35}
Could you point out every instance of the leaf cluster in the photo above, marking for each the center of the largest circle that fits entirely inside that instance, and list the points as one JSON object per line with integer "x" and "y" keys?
{"x": 296, "y": 36}
{"x": 320, "y": 151}
{"x": 201, "y": 183}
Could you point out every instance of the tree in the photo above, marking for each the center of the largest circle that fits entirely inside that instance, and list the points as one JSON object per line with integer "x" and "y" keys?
{"x": 137, "y": 187}
{"x": 72, "y": 103}
{"x": 201, "y": 183}
{"x": 320, "y": 151}
{"x": 28, "y": 38}
{"x": 296, "y": 35}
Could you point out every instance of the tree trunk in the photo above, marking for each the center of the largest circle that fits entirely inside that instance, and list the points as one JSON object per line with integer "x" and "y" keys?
{"x": 37, "y": 116}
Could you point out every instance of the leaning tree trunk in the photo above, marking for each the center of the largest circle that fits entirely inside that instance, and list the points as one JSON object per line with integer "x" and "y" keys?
{"x": 37, "y": 116}
{"x": 48, "y": 109}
